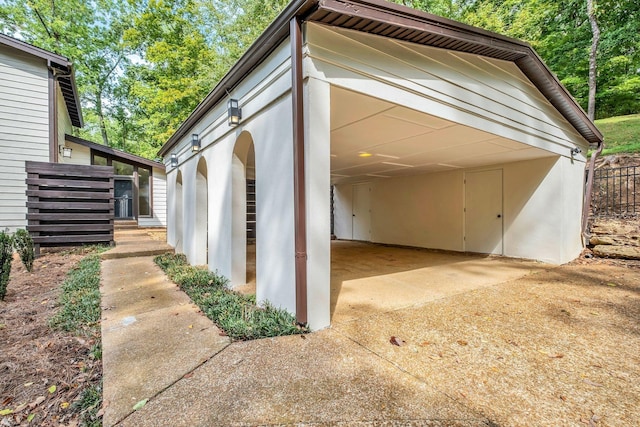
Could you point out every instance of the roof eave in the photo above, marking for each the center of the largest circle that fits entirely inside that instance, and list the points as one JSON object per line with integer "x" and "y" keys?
{"x": 492, "y": 44}
{"x": 260, "y": 49}
{"x": 71, "y": 96}
{"x": 115, "y": 153}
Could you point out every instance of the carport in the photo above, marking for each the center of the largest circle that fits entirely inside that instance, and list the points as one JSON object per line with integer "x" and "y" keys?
{"x": 433, "y": 135}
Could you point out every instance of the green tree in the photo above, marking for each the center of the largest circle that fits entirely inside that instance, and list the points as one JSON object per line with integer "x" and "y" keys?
{"x": 89, "y": 33}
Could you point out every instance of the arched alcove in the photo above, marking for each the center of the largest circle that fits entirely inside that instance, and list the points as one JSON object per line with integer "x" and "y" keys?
{"x": 243, "y": 211}
{"x": 202, "y": 208}
{"x": 178, "y": 201}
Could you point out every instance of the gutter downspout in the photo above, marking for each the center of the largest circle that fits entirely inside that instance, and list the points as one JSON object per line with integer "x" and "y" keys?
{"x": 586, "y": 236}
{"x": 53, "y": 115}
{"x": 300, "y": 208}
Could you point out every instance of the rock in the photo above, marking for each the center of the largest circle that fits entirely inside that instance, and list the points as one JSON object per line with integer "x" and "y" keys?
{"x": 615, "y": 251}
{"x": 630, "y": 240}
{"x": 601, "y": 240}
{"x": 614, "y": 227}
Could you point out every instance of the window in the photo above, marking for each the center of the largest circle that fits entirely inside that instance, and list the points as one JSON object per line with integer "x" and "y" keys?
{"x": 120, "y": 168}
{"x": 99, "y": 160}
{"x": 144, "y": 205}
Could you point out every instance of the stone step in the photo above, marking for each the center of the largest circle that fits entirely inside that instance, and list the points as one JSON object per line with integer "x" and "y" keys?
{"x": 125, "y": 224}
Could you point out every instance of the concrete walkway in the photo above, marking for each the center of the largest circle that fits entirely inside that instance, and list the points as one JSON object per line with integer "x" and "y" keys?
{"x": 152, "y": 335}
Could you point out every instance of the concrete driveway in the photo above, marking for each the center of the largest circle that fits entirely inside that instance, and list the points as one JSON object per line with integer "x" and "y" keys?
{"x": 334, "y": 377}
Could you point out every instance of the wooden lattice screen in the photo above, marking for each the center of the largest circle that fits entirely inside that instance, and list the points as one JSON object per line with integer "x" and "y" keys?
{"x": 69, "y": 204}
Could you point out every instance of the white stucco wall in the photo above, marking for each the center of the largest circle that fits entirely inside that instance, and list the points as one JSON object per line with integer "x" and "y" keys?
{"x": 266, "y": 111}
{"x": 542, "y": 210}
{"x": 24, "y": 129}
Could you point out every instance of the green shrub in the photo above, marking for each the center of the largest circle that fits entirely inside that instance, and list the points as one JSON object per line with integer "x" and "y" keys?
{"x": 80, "y": 299}
{"x": 6, "y": 255}
{"x": 236, "y": 314}
{"x": 23, "y": 243}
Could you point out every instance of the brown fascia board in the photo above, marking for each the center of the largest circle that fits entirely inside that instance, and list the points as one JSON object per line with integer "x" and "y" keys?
{"x": 72, "y": 100}
{"x": 114, "y": 153}
{"x": 469, "y": 39}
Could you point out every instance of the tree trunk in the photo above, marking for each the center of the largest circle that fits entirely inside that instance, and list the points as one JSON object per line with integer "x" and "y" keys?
{"x": 100, "y": 113}
{"x": 593, "y": 67}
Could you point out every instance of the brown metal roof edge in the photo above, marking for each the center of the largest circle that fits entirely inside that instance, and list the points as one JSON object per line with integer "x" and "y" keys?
{"x": 398, "y": 14}
{"x": 72, "y": 99}
{"x": 113, "y": 152}
{"x": 402, "y": 16}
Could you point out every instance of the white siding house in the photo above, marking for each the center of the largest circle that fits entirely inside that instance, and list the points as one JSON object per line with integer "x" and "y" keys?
{"x": 39, "y": 106}
{"x": 34, "y": 112}
{"x": 432, "y": 133}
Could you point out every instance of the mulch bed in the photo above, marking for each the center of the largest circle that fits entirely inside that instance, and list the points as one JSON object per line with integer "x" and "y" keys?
{"x": 34, "y": 357}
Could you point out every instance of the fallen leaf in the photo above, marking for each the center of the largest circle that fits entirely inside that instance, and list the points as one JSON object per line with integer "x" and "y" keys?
{"x": 6, "y": 401}
{"x": 613, "y": 285}
{"x": 462, "y": 342}
{"x": 28, "y": 384}
{"x": 222, "y": 334}
{"x": 64, "y": 405}
{"x": 425, "y": 343}
{"x": 31, "y": 417}
{"x": 190, "y": 326}
{"x": 593, "y": 313}
{"x": 188, "y": 375}
{"x": 397, "y": 341}
{"x": 36, "y": 402}
{"x": 546, "y": 353}
{"x": 140, "y": 404}
{"x": 563, "y": 398}
{"x": 2, "y": 326}
{"x": 19, "y": 408}
{"x": 7, "y": 411}
{"x": 52, "y": 389}
{"x": 588, "y": 381}
{"x": 556, "y": 356}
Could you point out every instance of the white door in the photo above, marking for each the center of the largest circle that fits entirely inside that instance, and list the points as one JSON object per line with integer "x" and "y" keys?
{"x": 361, "y": 212}
{"x": 483, "y": 212}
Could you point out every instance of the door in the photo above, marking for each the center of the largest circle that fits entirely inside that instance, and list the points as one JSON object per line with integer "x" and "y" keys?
{"x": 483, "y": 212}
{"x": 361, "y": 212}
{"x": 123, "y": 194}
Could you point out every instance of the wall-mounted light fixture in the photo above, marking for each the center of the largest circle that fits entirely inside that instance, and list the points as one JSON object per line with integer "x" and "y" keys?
{"x": 234, "y": 112}
{"x": 65, "y": 151}
{"x": 195, "y": 143}
{"x": 174, "y": 160}
{"x": 575, "y": 151}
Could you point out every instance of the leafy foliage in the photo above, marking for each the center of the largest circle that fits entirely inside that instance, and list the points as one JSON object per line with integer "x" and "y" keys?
{"x": 236, "y": 314}
{"x": 23, "y": 243}
{"x": 6, "y": 255}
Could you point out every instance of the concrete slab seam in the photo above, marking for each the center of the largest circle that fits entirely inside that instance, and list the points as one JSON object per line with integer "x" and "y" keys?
{"x": 174, "y": 383}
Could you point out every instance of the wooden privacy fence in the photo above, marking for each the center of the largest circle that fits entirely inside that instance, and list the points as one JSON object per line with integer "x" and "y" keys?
{"x": 69, "y": 204}
{"x": 616, "y": 192}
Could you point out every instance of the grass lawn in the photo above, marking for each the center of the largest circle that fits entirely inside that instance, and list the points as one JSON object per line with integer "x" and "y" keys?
{"x": 621, "y": 134}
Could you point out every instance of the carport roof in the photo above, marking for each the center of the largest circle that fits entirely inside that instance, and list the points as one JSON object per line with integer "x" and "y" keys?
{"x": 399, "y": 22}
